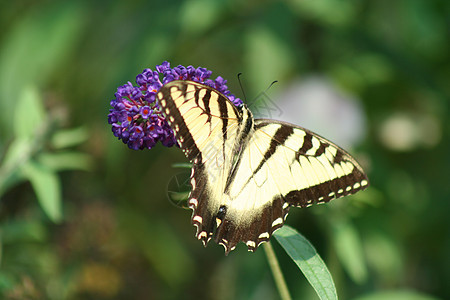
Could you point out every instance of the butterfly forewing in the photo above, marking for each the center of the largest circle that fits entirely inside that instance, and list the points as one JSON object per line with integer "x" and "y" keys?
{"x": 206, "y": 125}
{"x": 284, "y": 165}
{"x": 314, "y": 169}
{"x": 247, "y": 173}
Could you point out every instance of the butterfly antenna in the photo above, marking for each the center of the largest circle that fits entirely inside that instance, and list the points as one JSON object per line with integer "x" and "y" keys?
{"x": 273, "y": 82}
{"x": 240, "y": 84}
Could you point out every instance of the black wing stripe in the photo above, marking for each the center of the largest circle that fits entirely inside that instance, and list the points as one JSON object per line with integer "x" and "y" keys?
{"x": 321, "y": 149}
{"x": 306, "y": 145}
{"x": 328, "y": 190}
{"x": 191, "y": 149}
{"x": 338, "y": 157}
{"x": 224, "y": 115}
{"x": 206, "y": 98}
{"x": 281, "y": 135}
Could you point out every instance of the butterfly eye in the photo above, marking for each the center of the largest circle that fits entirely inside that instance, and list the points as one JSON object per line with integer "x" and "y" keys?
{"x": 222, "y": 212}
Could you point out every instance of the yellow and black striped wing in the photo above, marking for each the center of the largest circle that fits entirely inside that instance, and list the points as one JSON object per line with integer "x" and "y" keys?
{"x": 284, "y": 165}
{"x": 202, "y": 119}
{"x": 207, "y": 126}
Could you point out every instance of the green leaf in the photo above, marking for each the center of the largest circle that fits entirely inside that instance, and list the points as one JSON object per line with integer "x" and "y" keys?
{"x": 47, "y": 187}
{"x": 349, "y": 249}
{"x": 330, "y": 12}
{"x": 159, "y": 244}
{"x": 265, "y": 50}
{"x": 308, "y": 260}
{"x": 384, "y": 254}
{"x": 209, "y": 10}
{"x": 66, "y": 161}
{"x": 29, "y": 113}
{"x": 396, "y": 295}
{"x": 6, "y": 281}
{"x": 23, "y": 230}
{"x": 17, "y": 154}
{"x": 36, "y": 45}
{"x": 69, "y": 137}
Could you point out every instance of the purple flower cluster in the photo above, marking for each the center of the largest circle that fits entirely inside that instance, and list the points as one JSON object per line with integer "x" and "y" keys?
{"x": 136, "y": 117}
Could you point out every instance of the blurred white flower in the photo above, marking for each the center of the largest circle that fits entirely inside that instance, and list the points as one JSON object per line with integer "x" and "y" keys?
{"x": 316, "y": 104}
{"x": 405, "y": 132}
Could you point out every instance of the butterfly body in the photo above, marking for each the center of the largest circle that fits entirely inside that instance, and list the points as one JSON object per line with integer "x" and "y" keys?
{"x": 248, "y": 172}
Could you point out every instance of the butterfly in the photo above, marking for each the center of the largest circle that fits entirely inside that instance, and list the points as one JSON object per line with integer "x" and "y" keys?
{"x": 247, "y": 173}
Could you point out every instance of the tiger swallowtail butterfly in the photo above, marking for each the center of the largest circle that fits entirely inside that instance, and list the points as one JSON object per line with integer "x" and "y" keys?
{"x": 246, "y": 172}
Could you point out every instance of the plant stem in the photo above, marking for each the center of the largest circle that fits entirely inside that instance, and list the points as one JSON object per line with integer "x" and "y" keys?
{"x": 276, "y": 271}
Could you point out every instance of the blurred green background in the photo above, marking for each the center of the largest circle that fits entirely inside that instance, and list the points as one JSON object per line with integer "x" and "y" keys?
{"x": 84, "y": 217}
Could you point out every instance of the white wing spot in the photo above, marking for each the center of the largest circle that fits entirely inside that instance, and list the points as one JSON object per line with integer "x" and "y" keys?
{"x": 167, "y": 111}
{"x": 163, "y": 102}
{"x": 198, "y": 219}
{"x": 340, "y": 191}
{"x": 348, "y": 188}
{"x": 218, "y": 222}
{"x": 171, "y": 118}
{"x": 202, "y": 234}
{"x": 320, "y": 198}
{"x": 364, "y": 182}
{"x": 193, "y": 183}
{"x": 285, "y": 205}
{"x": 357, "y": 185}
{"x": 278, "y": 221}
{"x": 251, "y": 244}
{"x": 193, "y": 202}
{"x": 264, "y": 235}
{"x": 177, "y": 127}
{"x": 331, "y": 194}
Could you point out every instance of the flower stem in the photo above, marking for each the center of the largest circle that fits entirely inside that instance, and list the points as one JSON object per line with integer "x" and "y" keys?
{"x": 276, "y": 271}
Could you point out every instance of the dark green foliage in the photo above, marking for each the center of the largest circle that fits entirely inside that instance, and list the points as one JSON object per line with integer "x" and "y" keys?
{"x": 84, "y": 217}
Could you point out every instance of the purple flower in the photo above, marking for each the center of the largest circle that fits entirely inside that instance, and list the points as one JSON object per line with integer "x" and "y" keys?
{"x": 136, "y": 116}
{"x": 145, "y": 111}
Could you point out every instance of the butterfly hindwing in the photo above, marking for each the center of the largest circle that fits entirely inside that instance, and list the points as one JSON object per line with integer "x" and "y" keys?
{"x": 247, "y": 173}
